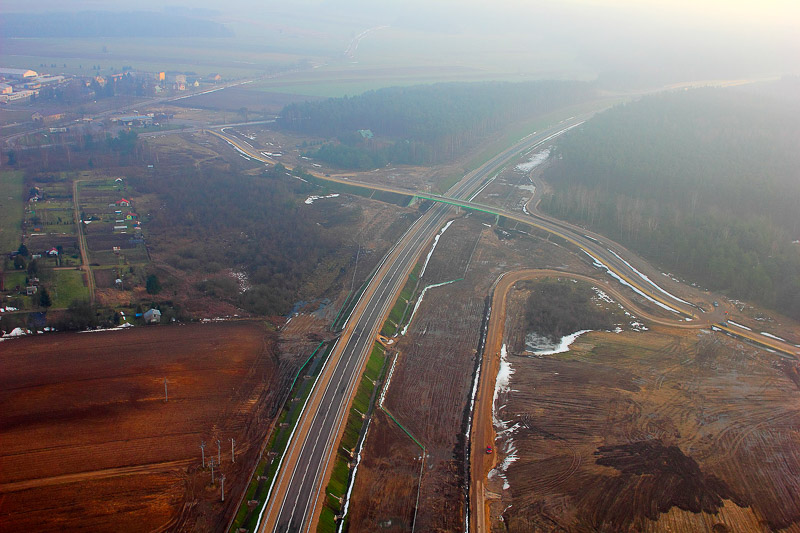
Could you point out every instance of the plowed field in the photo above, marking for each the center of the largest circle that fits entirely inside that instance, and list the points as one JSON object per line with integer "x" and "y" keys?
{"x": 88, "y": 443}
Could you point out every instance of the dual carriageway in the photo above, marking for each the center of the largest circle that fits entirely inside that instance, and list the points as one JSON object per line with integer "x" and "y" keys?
{"x": 294, "y": 500}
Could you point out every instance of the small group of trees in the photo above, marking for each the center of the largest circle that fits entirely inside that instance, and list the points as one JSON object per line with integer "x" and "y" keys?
{"x": 226, "y": 219}
{"x": 558, "y": 308}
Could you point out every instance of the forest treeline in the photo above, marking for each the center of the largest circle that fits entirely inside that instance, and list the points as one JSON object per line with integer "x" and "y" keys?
{"x": 422, "y": 124}
{"x": 705, "y": 182}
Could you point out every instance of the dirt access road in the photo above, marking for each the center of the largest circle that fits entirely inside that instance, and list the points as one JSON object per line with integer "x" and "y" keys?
{"x": 483, "y": 433}
{"x": 87, "y": 270}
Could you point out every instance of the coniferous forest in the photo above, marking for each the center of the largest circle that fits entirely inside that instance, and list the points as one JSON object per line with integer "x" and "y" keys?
{"x": 706, "y": 183}
{"x": 422, "y": 124}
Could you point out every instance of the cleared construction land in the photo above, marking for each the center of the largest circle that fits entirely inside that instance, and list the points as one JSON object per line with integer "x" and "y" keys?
{"x": 664, "y": 429}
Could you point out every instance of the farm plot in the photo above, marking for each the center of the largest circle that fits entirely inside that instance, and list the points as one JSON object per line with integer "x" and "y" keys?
{"x": 69, "y": 286}
{"x": 430, "y": 388}
{"x": 70, "y": 252}
{"x": 647, "y": 431}
{"x": 11, "y": 210}
{"x": 89, "y": 442}
{"x": 116, "y": 249}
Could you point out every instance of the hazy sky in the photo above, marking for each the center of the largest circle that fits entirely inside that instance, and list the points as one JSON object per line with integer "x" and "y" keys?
{"x": 677, "y": 39}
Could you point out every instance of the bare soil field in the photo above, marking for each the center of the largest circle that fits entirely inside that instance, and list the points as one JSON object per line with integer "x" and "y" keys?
{"x": 431, "y": 385}
{"x": 663, "y": 430}
{"x": 390, "y": 473}
{"x": 87, "y": 441}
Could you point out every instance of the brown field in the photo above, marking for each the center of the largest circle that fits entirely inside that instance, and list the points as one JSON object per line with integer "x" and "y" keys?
{"x": 663, "y": 430}
{"x": 87, "y": 442}
{"x": 430, "y": 388}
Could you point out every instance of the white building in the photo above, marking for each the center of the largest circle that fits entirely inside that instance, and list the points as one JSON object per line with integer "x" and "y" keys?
{"x": 17, "y": 73}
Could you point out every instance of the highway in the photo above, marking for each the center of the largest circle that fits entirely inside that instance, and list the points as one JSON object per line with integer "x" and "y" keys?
{"x": 294, "y": 499}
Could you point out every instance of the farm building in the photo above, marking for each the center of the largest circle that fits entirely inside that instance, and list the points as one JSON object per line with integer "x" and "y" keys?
{"x": 6, "y": 88}
{"x": 153, "y": 316}
{"x": 123, "y": 202}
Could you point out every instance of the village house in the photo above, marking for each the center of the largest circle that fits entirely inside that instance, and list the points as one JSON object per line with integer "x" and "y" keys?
{"x": 152, "y": 316}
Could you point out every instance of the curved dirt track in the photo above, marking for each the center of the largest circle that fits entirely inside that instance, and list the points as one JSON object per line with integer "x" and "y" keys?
{"x": 483, "y": 433}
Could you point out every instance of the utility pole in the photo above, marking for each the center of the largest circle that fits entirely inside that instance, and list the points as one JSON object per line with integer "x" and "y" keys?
{"x": 233, "y": 457}
{"x": 222, "y": 481}
{"x": 219, "y": 453}
{"x": 211, "y": 463}
{"x": 166, "y": 396}
{"x": 203, "y": 451}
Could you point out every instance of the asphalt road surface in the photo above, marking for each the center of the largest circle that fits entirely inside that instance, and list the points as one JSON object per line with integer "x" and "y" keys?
{"x": 296, "y": 495}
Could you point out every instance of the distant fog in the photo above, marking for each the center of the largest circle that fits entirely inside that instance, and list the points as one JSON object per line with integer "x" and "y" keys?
{"x": 623, "y": 42}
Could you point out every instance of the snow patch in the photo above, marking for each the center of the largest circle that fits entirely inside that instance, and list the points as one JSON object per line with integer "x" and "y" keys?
{"x": 648, "y": 280}
{"x": 540, "y": 345}
{"x": 435, "y": 242}
{"x": 600, "y": 264}
{"x": 419, "y": 302}
{"x": 536, "y": 159}
{"x": 501, "y": 385}
{"x": 731, "y": 322}
{"x": 311, "y": 199}
{"x": 242, "y": 280}
{"x": 504, "y": 431}
{"x": 115, "y": 328}
{"x": 18, "y": 332}
{"x": 771, "y": 336}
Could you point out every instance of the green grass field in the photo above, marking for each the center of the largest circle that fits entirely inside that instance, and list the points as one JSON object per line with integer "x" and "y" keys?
{"x": 11, "y": 210}
{"x": 68, "y": 287}
{"x": 15, "y": 278}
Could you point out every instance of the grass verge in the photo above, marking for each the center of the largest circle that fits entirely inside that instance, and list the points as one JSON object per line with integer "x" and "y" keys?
{"x": 264, "y": 473}
{"x": 69, "y": 286}
{"x": 354, "y": 433}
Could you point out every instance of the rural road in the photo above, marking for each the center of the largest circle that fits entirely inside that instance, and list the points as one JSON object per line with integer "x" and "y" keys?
{"x": 85, "y": 267}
